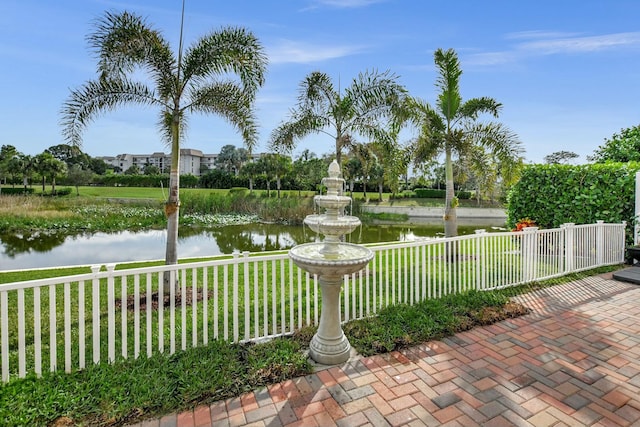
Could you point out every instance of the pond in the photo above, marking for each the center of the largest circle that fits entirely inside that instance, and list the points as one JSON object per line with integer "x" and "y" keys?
{"x": 41, "y": 250}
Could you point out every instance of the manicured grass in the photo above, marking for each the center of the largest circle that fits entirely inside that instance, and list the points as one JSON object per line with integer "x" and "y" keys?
{"x": 127, "y": 390}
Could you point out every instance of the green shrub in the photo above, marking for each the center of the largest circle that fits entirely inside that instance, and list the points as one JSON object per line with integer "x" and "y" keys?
{"x": 64, "y": 191}
{"x": 18, "y": 190}
{"x": 239, "y": 190}
{"x": 434, "y": 193}
{"x": 552, "y": 195}
{"x": 429, "y": 193}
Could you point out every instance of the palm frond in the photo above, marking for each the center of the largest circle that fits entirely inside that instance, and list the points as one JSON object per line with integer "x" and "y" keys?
{"x": 229, "y": 50}
{"x": 497, "y": 138}
{"x": 232, "y": 103}
{"x": 448, "y": 82}
{"x": 373, "y": 95}
{"x": 472, "y": 108}
{"x": 284, "y": 137}
{"x": 124, "y": 41}
{"x": 317, "y": 92}
{"x": 96, "y": 97}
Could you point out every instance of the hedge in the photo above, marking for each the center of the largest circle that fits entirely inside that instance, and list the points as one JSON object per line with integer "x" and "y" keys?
{"x": 434, "y": 193}
{"x": 186, "y": 181}
{"x": 16, "y": 190}
{"x": 556, "y": 194}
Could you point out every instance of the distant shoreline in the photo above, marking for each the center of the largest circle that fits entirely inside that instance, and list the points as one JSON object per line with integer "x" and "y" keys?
{"x": 437, "y": 212}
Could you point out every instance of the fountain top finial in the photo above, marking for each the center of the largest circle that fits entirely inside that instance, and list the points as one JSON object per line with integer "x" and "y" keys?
{"x": 334, "y": 169}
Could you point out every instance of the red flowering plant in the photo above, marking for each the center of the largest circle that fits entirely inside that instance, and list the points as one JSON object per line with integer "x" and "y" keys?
{"x": 524, "y": 222}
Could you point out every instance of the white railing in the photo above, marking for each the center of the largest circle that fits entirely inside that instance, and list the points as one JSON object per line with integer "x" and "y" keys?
{"x": 109, "y": 313}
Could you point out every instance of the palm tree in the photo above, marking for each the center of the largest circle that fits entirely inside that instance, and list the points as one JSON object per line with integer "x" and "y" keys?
{"x": 196, "y": 80}
{"x": 452, "y": 128}
{"x": 363, "y": 108}
{"x": 250, "y": 170}
{"x": 352, "y": 170}
{"x": 48, "y": 166}
{"x": 276, "y": 165}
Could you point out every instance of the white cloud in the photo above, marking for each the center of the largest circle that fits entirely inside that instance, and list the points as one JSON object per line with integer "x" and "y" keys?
{"x": 539, "y": 34}
{"x": 582, "y": 44}
{"x": 347, "y": 4}
{"x": 541, "y": 43}
{"x": 302, "y": 53}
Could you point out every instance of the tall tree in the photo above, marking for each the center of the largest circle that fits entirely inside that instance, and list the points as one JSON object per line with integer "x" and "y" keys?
{"x": 231, "y": 159}
{"x": 352, "y": 170}
{"x": 452, "y": 127}
{"x": 621, "y": 147}
{"x": 308, "y": 171}
{"x": 560, "y": 157}
{"x": 48, "y": 166}
{"x": 365, "y": 153}
{"x": 7, "y": 152}
{"x": 364, "y": 108}
{"x": 70, "y": 155}
{"x": 276, "y": 165}
{"x": 250, "y": 170}
{"x": 195, "y": 80}
{"x": 77, "y": 176}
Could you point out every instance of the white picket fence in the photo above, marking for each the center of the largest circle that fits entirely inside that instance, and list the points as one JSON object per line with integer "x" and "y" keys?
{"x": 103, "y": 315}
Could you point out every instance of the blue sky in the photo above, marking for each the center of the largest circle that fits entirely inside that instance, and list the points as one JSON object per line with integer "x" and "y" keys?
{"x": 566, "y": 71}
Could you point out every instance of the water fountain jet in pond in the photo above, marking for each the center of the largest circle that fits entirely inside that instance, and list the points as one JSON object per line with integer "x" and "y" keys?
{"x": 330, "y": 260}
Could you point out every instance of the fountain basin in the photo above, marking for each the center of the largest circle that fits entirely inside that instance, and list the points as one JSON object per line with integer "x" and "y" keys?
{"x": 341, "y": 259}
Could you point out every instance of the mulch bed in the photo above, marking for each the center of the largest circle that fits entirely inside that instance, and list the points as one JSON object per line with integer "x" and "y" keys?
{"x": 155, "y": 299}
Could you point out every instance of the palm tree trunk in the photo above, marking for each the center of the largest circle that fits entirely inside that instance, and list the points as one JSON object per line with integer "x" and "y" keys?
{"x": 278, "y": 185}
{"x": 450, "y": 214}
{"x": 173, "y": 203}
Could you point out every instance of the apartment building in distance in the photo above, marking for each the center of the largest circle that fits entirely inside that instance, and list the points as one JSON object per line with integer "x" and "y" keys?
{"x": 192, "y": 161}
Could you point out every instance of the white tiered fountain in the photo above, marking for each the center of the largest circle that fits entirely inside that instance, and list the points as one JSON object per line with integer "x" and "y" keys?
{"x": 330, "y": 260}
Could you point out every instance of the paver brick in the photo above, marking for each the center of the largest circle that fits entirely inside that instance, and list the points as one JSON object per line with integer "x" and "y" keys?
{"x": 572, "y": 362}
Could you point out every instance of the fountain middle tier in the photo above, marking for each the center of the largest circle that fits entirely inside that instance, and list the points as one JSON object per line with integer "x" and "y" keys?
{"x": 329, "y": 225}
{"x": 332, "y": 202}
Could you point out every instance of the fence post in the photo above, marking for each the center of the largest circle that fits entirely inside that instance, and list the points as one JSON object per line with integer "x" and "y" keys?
{"x": 480, "y": 282}
{"x": 529, "y": 253}
{"x": 111, "y": 313}
{"x": 235, "y": 301}
{"x": 636, "y": 226}
{"x": 599, "y": 243}
{"x": 569, "y": 242}
{"x": 623, "y": 242}
{"x": 247, "y": 303}
{"x": 95, "y": 313}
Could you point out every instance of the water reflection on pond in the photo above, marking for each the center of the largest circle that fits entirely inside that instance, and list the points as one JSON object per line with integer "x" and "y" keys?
{"x": 36, "y": 250}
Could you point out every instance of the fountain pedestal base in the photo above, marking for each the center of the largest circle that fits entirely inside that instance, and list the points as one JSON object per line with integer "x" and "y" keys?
{"x": 329, "y": 346}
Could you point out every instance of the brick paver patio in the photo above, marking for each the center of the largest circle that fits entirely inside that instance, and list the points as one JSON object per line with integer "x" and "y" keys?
{"x": 575, "y": 361}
